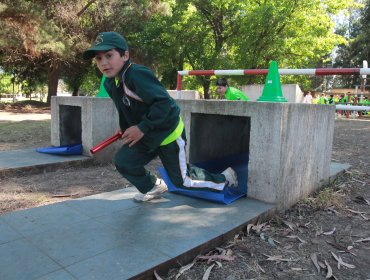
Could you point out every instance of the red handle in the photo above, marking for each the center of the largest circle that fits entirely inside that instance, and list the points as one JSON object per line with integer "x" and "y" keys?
{"x": 106, "y": 142}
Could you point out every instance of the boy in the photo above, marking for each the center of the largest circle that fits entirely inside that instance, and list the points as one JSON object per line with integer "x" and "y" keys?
{"x": 150, "y": 121}
{"x": 230, "y": 93}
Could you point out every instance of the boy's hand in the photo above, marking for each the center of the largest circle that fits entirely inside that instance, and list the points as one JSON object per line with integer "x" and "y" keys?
{"x": 132, "y": 135}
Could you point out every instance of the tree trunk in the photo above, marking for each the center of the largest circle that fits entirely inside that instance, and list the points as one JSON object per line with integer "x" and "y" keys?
{"x": 206, "y": 85}
{"x": 53, "y": 77}
{"x": 75, "y": 91}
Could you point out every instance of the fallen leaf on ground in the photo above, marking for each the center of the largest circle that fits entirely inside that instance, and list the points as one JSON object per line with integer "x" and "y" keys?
{"x": 341, "y": 247}
{"x": 216, "y": 257}
{"x": 208, "y": 272}
{"x": 330, "y": 271}
{"x": 272, "y": 241}
{"x": 358, "y": 181}
{"x": 257, "y": 228}
{"x": 363, "y": 240}
{"x": 362, "y": 200}
{"x": 262, "y": 236}
{"x": 290, "y": 225}
{"x": 298, "y": 269}
{"x": 363, "y": 216}
{"x": 314, "y": 260}
{"x": 296, "y": 237}
{"x": 260, "y": 268}
{"x": 332, "y": 210}
{"x": 341, "y": 262}
{"x": 354, "y": 211}
{"x": 157, "y": 277}
{"x": 183, "y": 269}
{"x": 321, "y": 264}
{"x": 279, "y": 258}
{"x": 329, "y": 232}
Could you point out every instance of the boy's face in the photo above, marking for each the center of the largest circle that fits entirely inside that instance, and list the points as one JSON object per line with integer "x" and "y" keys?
{"x": 110, "y": 62}
{"x": 221, "y": 89}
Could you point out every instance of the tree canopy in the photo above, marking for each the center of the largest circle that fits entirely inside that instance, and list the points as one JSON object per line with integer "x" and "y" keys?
{"x": 42, "y": 41}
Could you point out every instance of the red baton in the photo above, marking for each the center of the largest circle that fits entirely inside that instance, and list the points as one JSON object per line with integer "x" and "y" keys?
{"x": 106, "y": 142}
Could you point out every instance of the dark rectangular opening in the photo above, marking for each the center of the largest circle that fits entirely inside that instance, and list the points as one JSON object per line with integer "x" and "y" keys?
{"x": 70, "y": 125}
{"x": 218, "y": 136}
{"x": 219, "y": 142}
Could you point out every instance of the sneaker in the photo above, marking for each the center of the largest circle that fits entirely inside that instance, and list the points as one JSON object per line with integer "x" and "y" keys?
{"x": 154, "y": 193}
{"x": 231, "y": 178}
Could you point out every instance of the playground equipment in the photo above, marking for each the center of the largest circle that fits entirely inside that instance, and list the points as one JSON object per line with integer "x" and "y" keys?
{"x": 315, "y": 72}
{"x": 272, "y": 89}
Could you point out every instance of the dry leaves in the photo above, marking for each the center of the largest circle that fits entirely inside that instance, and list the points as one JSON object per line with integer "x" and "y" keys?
{"x": 329, "y": 274}
{"x": 184, "y": 268}
{"x": 362, "y": 214}
{"x": 279, "y": 258}
{"x": 157, "y": 277}
{"x": 363, "y": 240}
{"x": 361, "y": 200}
{"x": 315, "y": 262}
{"x": 208, "y": 272}
{"x": 341, "y": 262}
{"x": 257, "y": 228}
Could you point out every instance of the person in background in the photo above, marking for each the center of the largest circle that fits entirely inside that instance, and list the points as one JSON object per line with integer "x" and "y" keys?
{"x": 228, "y": 92}
{"x": 336, "y": 99}
{"x": 150, "y": 123}
{"x": 322, "y": 99}
{"x": 331, "y": 99}
{"x": 307, "y": 98}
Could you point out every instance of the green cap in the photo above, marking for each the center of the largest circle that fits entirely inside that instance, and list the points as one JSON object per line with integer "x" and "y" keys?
{"x": 106, "y": 41}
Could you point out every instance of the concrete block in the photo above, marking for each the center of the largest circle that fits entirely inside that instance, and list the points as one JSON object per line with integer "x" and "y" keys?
{"x": 184, "y": 94}
{"x": 289, "y": 144}
{"x": 98, "y": 120}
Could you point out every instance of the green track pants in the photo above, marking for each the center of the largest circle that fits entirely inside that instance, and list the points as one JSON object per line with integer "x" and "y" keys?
{"x": 130, "y": 163}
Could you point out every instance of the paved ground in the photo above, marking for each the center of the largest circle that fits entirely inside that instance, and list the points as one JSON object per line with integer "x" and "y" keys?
{"x": 108, "y": 236}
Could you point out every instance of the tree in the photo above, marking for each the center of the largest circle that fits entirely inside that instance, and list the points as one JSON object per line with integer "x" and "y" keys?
{"x": 355, "y": 28}
{"x": 233, "y": 34}
{"x": 53, "y": 34}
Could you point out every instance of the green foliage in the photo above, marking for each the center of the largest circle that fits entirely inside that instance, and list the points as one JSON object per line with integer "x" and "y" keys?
{"x": 6, "y": 83}
{"x": 38, "y": 36}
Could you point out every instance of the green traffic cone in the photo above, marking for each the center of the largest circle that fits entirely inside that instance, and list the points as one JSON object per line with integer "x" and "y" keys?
{"x": 272, "y": 90}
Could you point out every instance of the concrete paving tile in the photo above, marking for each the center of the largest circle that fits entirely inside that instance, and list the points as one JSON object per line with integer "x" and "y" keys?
{"x": 20, "y": 260}
{"x": 130, "y": 221}
{"x": 70, "y": 244}
{"x": 39, "y": 219}
{"x": 122, "y": 262}
{"x": 29, "y": 157}
{"x": 58, "y": 275}
{"x": 105, "y": 203}
{"x": 7, "y": 233}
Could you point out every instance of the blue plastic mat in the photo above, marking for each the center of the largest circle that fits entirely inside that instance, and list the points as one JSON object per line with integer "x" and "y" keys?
{"x": 228, "y": 195}
{"x": 62, "y": 150}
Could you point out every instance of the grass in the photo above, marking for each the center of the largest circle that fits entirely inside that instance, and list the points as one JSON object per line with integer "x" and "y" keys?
{"x": 23, "y": 131}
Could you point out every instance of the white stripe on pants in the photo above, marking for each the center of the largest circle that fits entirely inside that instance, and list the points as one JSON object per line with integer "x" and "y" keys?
{"x": 188, "y": 182}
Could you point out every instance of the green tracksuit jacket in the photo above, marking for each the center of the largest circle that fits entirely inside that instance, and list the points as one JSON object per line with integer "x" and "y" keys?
{"x": 146, "y": 103}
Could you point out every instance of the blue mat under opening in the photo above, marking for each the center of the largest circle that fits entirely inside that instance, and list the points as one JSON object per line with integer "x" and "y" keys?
{"x": 62, "y": 150}
{"x": 239, "y": 163}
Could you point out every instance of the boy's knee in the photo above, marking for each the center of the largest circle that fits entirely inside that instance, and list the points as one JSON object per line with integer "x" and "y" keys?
{"x": 120, "y": 163}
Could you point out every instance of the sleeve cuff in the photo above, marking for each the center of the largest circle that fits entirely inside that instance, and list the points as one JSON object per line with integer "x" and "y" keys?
{"x": 143, "y": 127}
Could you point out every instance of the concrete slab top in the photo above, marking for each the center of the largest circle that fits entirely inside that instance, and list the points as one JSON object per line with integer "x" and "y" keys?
{"x": 108, "y": 236}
